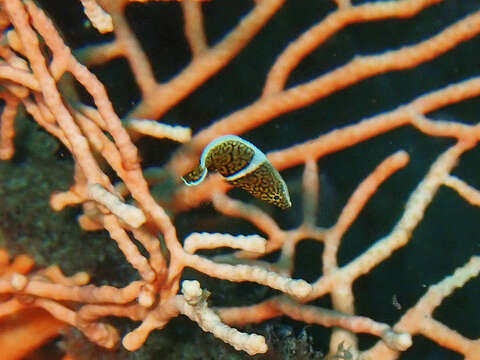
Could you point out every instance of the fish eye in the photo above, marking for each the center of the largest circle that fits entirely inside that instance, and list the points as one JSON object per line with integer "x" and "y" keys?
{"x": 276, "y": 197}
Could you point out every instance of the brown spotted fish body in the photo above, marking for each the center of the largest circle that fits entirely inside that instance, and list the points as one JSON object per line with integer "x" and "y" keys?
{"x": 243, "y": 165}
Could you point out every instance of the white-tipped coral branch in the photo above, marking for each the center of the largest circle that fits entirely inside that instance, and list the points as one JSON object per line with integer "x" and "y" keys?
{"x": 160, "y": 131}
{"x": 197, "y": 241}
{"x": 132, "y": 215}
{"x": 197, "y": 310}
{"x": 466, "y": 191}
{"x": 99, "y": 18}
{"x": 296, "y": 288}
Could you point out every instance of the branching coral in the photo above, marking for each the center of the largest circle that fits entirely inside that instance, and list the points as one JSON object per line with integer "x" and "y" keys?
{"x": 116, "y": 191}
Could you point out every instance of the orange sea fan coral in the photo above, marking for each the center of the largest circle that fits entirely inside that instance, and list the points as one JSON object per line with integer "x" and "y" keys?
{"x": 119, "y": 193}
{"x": 23, "y": 327}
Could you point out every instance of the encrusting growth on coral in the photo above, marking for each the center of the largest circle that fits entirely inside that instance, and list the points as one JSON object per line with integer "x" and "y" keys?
{"x": 116, "y": 193}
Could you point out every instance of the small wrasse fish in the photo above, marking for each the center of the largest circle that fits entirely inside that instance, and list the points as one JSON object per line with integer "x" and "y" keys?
{"x": 243, "y": 165}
